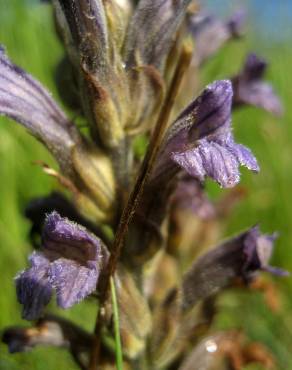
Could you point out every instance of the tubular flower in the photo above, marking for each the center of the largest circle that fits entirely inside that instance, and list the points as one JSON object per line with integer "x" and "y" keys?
{"x": 70, "y": 262}
{"x": 201, "y": 142}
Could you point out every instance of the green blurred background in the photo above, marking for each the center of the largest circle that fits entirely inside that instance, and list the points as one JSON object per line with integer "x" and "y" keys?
{"x": 26, "y": 29}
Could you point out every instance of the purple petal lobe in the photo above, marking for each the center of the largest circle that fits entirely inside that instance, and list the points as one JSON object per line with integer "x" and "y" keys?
{"x": 243, "y": 155}
{"x": 25, "y": 100}
{"x": 258, "y": 249}
{"x": 33, "y": 288}
{"x": 191, "y": 162}
{"x": 73, "y": 282}
{"x": 210, "y": 159}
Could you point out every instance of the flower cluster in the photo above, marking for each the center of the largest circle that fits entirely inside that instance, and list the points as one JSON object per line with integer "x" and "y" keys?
{"x": 143, "y": 223}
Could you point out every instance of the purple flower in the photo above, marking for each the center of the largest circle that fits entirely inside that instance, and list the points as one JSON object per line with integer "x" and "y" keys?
{"x": 201, "y": 142}
{"x": 249, "y": 88}
{"x": 70, "y": 262}
{"x": 210, "y": 33}
{"x": 25, "y": 100}
{"x": 241, "y": 256}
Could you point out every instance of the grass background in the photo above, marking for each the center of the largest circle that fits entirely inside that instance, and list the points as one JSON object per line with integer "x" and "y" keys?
{"x": 26, "y": 29}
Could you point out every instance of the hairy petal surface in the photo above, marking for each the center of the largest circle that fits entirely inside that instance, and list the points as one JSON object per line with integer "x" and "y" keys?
{"x": 25, "y": 100}
{"x": 70, "y": 262}
{"x": 33, "y": 288}
{"x": 72, "y": 282}
{"x": 200, "y": 141}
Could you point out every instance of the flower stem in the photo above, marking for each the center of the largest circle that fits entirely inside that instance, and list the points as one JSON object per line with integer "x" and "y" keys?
{"x": 135, "y": 195}
{"x": 118, "y": 351}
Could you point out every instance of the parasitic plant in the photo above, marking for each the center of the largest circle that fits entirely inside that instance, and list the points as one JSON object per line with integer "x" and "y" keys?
{"x": 136, "y": 233}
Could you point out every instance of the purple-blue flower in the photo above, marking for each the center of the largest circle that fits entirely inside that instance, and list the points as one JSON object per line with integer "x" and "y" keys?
{"x": 201, "y": 142}
{"x": 70, "y": 262}
{"x": 250, "y": 89}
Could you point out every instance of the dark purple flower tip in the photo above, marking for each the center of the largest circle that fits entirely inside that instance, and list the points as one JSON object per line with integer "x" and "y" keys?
{"x": 26, "y": 101}
{"x": 250, "y": 89}
{"x": 70, "y": 262}
{"x": 258, "y": 249}
{"x": 209, "y": 113}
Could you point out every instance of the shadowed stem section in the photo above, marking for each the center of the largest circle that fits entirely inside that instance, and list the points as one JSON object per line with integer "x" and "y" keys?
{"x": 118, "y": 350}
{"x": 135, "y": 195}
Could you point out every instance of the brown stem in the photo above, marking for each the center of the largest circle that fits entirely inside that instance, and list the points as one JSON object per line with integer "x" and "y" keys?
{"x": 137, "y": 191}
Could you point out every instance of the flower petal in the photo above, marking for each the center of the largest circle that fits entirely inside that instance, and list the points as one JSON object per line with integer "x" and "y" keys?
{"x": 243, "y": 155}
{"x": 72, "y": 281}
{"x": 33, "y": 288}
{"x": 258, "y": 249}
{"x": 25, "y": 100}
{"x": 210, "y": 159}
{"x": 65, "y": 239}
